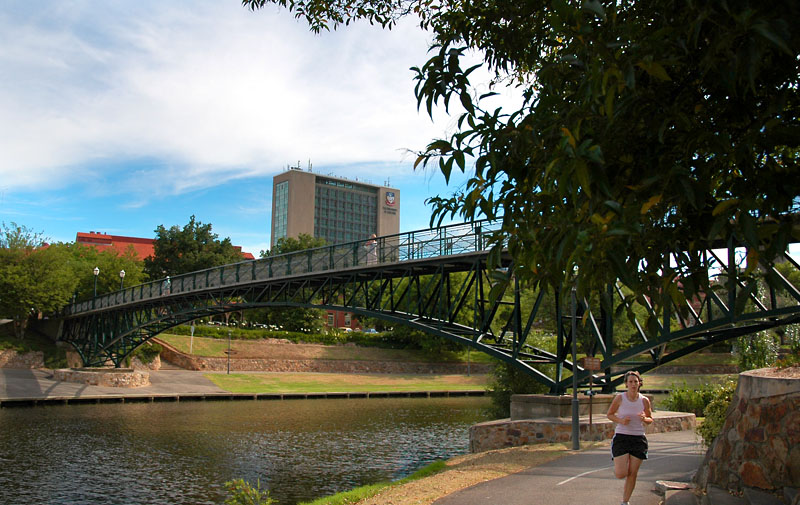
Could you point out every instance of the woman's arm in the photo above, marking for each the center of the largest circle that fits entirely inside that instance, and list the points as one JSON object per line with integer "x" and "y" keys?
{"x": 647, "y": 414}
{"x": 612, "y": 411}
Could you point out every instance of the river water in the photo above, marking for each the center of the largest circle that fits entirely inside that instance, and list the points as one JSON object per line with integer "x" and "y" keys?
{"x": 182, "y": 453}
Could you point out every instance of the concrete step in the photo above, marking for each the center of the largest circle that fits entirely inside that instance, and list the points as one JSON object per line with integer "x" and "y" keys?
{"x": 684, "y": 493}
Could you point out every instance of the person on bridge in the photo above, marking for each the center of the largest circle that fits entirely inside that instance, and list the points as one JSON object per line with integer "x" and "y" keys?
{"x": 630, "y": 411}
{"x": 372, "y": 250}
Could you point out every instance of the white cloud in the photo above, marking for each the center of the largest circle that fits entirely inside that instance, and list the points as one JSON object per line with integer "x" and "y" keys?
{"x": 208, "y": 89}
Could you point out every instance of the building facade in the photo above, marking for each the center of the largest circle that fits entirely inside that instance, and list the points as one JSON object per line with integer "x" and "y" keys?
{"x": 143, "y": 247}
{"x": 335, "y": 209}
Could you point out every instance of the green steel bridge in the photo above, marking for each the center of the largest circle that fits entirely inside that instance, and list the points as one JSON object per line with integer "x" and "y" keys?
{"x": 438, "y": 281}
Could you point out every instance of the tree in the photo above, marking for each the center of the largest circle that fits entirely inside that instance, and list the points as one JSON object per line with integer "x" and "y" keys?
{"x": 646, "y": 128}
{"x": 293, "y": 319}
{"x": 34, "y": 278}
{"x": 83, "y": 259}
{"x": 194, "y": 247}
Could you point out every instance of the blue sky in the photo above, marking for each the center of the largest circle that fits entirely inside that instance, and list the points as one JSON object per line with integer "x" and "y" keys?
{"x": 119, "y": 116}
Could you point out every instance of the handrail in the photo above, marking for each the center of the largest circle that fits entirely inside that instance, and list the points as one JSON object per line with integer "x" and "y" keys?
{"x": 407, "y": 246}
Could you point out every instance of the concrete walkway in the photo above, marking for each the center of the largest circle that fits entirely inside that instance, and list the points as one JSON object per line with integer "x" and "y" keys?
{"x": 18, "y": 384}
{"x": 588, "y": 477}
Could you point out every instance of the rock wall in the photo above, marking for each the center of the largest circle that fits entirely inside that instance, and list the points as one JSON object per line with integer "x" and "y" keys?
{"x": 507, "y": 433}
{"x": 759, "y": 445}
{"x": 107, "y": 377}
{"x": 12, "y": 359}
{"x": 190, "y": 362}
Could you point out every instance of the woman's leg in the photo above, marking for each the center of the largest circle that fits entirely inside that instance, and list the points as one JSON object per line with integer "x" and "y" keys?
{"x": 630, "y": 481}
{"x": 621, "y": 464}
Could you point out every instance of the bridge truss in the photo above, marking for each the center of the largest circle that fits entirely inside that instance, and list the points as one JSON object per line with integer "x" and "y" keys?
{"x": 437, "y": 281}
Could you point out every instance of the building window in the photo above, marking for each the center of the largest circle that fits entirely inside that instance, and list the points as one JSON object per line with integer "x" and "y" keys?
{"x": 347, "y": 320}
{"x": 330, "y": 319}
{"x": 281, "y": 209}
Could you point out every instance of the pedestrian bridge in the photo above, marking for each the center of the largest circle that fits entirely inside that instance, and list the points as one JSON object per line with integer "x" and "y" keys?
{"x": 435, "y": 280}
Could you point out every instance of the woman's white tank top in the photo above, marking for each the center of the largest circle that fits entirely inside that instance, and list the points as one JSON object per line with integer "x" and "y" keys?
{"x": 630, "y": 409}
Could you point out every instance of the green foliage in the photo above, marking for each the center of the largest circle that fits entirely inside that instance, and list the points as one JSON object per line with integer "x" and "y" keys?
{"x": 756, "y": 350}
{"x": 716, "y": 412}
{"x": 54, "y": 356}
{"x": 687, "y": 399}
{"x": 508, "y": 380}
{"x": 83, "y": 259}
{"x": 292, "y": 318}
{"x": 242, "y": 493}
{"x": 644, "y": 129}
{"x": 792, "y": 334}
{"x": 33, "y": 278}
{"x": 194, "y": 247}
{"x": 291, "y": 244}
{"x": 147, "y": 352}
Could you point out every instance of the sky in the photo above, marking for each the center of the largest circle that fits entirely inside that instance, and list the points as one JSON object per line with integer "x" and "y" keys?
{"x": 120, "y": 116}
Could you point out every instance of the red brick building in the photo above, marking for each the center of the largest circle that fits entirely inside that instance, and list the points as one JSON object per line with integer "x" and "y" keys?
{"x": 142, "y": 246}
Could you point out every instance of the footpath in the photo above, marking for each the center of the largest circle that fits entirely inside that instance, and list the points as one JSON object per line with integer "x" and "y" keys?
{"x": 587, "y": 477}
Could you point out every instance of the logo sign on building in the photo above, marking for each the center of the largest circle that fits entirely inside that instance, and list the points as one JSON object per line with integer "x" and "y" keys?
{"x": 390, "y": 198}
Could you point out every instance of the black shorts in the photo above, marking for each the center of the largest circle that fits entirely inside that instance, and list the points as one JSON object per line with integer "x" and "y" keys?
{"x": 635, "y": 445}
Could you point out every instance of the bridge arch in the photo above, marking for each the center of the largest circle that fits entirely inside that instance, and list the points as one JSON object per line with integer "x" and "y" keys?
{"x": 414, "y": 282}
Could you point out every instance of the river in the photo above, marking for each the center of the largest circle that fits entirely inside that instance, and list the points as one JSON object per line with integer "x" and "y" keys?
{"x": 182, "y": 453}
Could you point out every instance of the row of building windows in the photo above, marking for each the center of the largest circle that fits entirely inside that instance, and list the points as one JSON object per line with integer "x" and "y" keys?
{"x": 281, "y": 209}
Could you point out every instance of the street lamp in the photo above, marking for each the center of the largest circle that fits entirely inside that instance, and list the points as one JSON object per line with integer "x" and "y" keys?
{"x": 96, "y": 273}
{"x": 121, "y": 279}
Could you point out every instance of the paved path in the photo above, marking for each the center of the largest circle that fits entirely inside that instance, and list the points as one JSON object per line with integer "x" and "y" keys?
{"x": 16, "y": 383}
{"x": 588, "y": 477}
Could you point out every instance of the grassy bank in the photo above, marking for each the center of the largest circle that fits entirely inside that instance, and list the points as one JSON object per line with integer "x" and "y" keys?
{"x": 287, "y": 382}
{"x": 266, "y": 348}
{"x": 443, "y": 478}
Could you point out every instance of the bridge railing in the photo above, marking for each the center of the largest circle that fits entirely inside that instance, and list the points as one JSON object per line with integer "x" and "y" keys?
{"x": 409, "y": 246}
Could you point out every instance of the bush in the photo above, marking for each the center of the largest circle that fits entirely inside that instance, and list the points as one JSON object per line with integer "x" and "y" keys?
{"x": 147, "y": 352}
{"x": 793, "y": 337}
{"x": 686, "y": 399}
{"x": 716, "y": 411}
{"x": 757, "y": 350}
{"x": 508, "y": 380}
{"x": 242, "y": 493}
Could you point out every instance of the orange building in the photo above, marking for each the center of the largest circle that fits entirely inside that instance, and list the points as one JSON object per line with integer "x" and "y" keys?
{"x": 142, "y": 246}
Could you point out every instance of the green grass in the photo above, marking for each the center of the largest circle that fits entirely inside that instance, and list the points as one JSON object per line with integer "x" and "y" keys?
{"x": 212, "y": 347}
{"x": 370, "y": 490}
{"x": 288, "y": 382}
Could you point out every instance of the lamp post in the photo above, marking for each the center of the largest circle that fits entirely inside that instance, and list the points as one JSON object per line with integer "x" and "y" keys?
{"x": 96, "y": 273}
{"x": 121, "y": 279}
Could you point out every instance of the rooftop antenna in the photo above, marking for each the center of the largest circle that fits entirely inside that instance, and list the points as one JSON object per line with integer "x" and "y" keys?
{"x": 309, "y": 165}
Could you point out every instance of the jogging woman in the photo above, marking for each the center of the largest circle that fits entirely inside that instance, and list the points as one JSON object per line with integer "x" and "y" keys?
{"x": 631, "y": 411}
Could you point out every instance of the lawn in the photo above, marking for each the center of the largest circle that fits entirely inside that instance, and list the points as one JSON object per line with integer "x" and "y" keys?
{"x": 344, "y": 383}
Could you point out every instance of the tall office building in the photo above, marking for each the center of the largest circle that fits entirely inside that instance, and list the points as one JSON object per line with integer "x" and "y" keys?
{"x": 333, "y": 208}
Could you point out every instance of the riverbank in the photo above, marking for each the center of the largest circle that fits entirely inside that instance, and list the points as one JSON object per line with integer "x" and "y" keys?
{"x": 20, "y": 387}
{"x": 458, "y": 473}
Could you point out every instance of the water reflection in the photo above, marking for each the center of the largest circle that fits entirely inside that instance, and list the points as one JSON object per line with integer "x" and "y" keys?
{"x": 182, "y": 453}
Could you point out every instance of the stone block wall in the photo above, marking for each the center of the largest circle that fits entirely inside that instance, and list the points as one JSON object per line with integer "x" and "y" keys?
{"x": 509, "y": 433}
{"x": 189, "y": 362}
{"x": 759, "y": 445}
{"x": 12, "y": 359}
{"x": 107, "y": 377}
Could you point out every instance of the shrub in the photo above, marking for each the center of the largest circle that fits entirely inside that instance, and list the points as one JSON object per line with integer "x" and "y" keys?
{"x": 716, "y": 412}
{"x": 508, "y": 380}
{"x": 242, "y": 493}
{"x": 793, "y": 338}
{"x": 757, "y": 350}
{"x": 147, "y": 352}
{"x": 686, "y": 399}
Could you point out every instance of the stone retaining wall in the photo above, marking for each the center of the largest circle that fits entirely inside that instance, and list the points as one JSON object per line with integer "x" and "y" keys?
{"x": 12, "y": 359}
{"x": 107, "y": 377}
{"x": 507, "y": 433}
{"x": 759, "y": 445}
{"x": 189, "y": 362}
